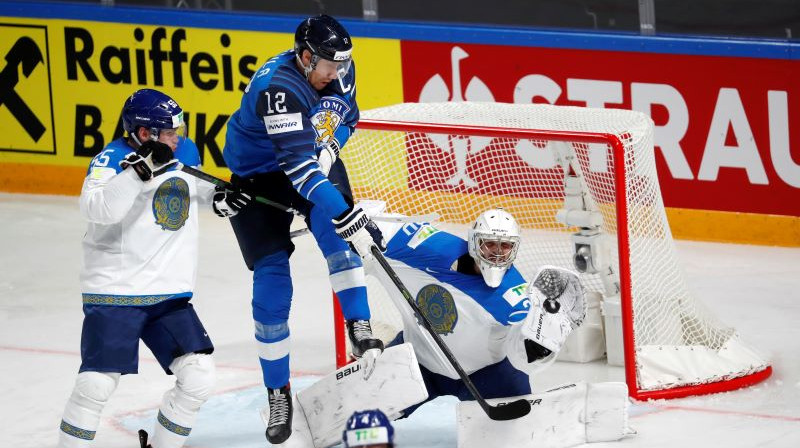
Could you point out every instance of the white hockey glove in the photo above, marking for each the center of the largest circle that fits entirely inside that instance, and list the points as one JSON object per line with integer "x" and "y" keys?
{"x": 228, "y": 203}
{"x": 147, "y": 160}
{"x": 355, "y": 227}
{"x": 558, "y": 306}
{"x": 327, "y": 156}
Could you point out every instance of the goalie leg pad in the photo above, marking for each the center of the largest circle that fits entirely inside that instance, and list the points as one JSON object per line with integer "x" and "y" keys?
{"x": 82, "y": 412}
{"x": 567, "y": 416}
{"x": 607, "y": 412}
{"x": 194, "y": 381}
{"x": 395, "y": 384}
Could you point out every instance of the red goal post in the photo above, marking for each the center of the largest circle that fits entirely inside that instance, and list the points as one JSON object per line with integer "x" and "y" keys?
{"x": 574, "y": 178}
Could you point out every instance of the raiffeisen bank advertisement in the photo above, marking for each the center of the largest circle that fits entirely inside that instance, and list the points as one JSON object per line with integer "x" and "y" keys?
{"x": 727, "y": 155}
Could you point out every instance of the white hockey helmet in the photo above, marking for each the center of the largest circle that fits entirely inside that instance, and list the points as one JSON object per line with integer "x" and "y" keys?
{"x": 493, "y": 242}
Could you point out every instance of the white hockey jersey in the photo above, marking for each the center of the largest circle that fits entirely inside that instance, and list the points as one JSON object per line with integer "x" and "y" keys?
{"x": 473, "y": 319}
{"x": 141, "y": 244}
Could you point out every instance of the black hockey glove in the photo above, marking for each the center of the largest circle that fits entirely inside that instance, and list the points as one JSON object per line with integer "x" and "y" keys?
{"x": 228, "y": 203}
{"x": 148, "y": 158}
{"x": 355, "y": 227}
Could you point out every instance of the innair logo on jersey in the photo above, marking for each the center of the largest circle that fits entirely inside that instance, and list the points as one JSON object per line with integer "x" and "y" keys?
{"x": 281, "y": 123}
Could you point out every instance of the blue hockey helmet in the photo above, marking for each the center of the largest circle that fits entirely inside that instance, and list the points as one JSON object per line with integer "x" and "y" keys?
{"x": 367, "y": 428}
{"x": 325, "y": 38}
{"x": 154, "y": 111}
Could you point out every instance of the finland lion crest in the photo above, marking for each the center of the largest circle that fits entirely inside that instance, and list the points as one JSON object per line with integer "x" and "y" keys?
{"x": 171, "y": 204}
{"x": 437, "y": 304}
{"x": 328, "y": 118}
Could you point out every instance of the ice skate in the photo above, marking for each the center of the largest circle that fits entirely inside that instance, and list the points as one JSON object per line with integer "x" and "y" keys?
{"x": 279, "y": 426}
{"x": 361, "y": 339}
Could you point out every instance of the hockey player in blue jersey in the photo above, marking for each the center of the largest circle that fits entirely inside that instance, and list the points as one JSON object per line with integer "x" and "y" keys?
{"x": 368, "y": 429}
{"x": 283, "y": 143}
{"x": 139, "y": 269}
{"x": 499, "y": 328}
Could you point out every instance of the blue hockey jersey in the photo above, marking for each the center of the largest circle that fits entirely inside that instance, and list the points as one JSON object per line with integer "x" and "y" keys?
{"x": 283, "y": 121}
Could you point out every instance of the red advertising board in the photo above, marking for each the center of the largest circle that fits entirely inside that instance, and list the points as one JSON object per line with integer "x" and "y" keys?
{"x": 724, "y": 137}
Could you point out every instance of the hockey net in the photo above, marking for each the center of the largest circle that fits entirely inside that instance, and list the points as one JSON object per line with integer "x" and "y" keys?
{"x": 573, "y": 177}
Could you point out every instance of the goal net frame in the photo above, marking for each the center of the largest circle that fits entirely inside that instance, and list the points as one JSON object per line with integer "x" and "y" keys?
{"x": 620, "y": 154}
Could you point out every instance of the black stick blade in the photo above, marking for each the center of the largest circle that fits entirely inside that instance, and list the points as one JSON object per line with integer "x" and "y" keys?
{"x": 509, "y": 411}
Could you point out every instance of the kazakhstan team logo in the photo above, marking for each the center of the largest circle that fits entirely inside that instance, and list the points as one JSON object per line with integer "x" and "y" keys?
{"x": 171, "y": 204}
{"x": 437, "y": 304}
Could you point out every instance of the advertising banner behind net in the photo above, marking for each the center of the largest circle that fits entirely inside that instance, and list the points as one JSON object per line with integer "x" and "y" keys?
{"x": 724, "y": 139}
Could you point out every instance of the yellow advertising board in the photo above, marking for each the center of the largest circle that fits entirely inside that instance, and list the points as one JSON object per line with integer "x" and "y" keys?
{"x": 63, "y": 83}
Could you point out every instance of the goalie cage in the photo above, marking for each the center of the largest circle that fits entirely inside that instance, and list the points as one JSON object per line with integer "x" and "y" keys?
{"x": 578, "y": 180}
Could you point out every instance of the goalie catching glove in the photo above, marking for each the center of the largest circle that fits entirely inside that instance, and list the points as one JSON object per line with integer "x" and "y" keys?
{"x": 147, "y": 160}
{"x": 360, "y": 232}
{"x": 558, "y": 306}
{"x": 228, "y": 203}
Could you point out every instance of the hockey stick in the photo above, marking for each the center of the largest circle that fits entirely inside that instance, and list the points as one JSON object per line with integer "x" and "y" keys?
{"x": 225, "y": 184}
{"x": 508, "y": 411}
{"x": 407, "y": 219}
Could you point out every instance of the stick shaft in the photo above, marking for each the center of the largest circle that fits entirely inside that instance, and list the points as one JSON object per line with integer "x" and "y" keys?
{"x": 225, "y": 184}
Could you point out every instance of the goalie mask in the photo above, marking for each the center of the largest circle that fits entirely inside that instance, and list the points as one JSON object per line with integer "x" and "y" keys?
{"x": 328, "y": 42}
{"x": 367, "y": 429}
{"x": 493, "y": 242}
{"x": 155, "y": 111}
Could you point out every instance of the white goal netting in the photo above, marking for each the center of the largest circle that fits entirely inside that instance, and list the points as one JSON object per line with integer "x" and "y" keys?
{"x": 459, "y": 159}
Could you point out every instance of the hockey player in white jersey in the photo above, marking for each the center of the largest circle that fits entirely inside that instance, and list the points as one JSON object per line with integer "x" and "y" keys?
{"x": 499, "y": 328}
{"x": 140, "y": 263}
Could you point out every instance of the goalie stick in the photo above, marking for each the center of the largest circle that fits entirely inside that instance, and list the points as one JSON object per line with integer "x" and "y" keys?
{"x": 508, "y": 411}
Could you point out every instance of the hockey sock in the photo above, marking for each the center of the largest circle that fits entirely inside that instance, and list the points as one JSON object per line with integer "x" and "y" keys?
{"x": 349, "y": 283}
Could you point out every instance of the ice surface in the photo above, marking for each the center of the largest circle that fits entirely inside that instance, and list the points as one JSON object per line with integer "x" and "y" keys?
{"x": 753, "y": 288}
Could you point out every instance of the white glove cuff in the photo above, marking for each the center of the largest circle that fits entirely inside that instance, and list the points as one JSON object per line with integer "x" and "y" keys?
{"x": 327, "y": 157}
